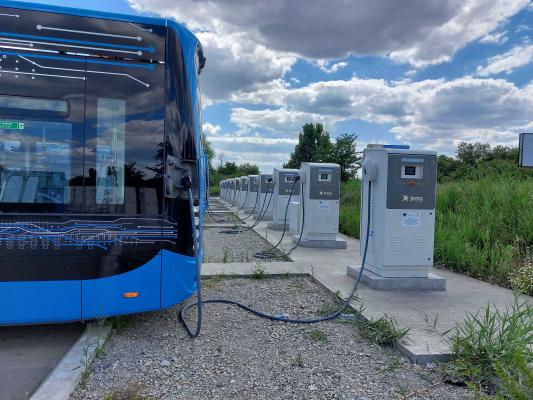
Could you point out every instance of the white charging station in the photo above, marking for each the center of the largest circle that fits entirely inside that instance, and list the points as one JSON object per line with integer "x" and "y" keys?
{"x": 265, "y": 192}
{"x": 320, "y": 206}
{"x": 286, "y": 186}
{"x": 244, "y": 191}
{"x": 251, "y": 200}
{"x": 402, "y": 184}
{"x": 238, "y": 192}
{"x": 295, "y": 217}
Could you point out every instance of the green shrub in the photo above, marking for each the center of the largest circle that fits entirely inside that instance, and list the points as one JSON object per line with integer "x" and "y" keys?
{"x": 214, "y": 190}
{"x": 350, "y": 208}
{"x": 484, "y": 228}
{"x": 492, "y": 351}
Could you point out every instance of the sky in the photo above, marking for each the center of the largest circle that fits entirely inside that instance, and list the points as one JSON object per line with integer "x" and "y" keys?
{"x": 427, "y": 73}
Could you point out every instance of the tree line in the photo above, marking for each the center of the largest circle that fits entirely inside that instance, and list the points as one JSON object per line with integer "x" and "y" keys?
{"x": 471, "y": 161}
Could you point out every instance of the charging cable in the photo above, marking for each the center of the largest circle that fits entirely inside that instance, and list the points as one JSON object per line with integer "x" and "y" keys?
{"x": 271, "y": 253}
{"x": 278, "y": 318}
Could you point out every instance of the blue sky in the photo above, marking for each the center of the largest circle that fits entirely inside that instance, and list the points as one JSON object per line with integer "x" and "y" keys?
{"x": 426, "y": 73}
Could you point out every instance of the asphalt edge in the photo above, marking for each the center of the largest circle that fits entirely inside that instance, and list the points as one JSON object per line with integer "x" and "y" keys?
{"x": 66, "y": 375}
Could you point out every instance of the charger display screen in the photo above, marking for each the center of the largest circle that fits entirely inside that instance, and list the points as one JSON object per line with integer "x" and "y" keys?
{"x": 410, "y": 170}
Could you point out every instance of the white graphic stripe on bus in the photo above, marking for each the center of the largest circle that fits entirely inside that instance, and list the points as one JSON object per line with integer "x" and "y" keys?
{"x": 111, "y": 50}
{"x": 3, "y": 71}
{"x": 81, "y": 70}
{"x": 50, "y": 28}
{"x": 142, "y": 29}
{"x": 10, "y": 15}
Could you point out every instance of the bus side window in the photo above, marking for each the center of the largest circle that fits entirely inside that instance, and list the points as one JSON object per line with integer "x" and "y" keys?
{"x": 110, "y": 150}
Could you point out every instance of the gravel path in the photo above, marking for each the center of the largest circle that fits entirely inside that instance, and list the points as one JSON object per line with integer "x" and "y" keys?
{"x": 239, "y": 356}
{"x": 221, "y": 218}
{"x": 223, "y": 248}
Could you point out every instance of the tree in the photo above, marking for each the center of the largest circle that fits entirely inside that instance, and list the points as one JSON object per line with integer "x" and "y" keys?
{"x": 314, "y": 145}
{"x": 344, "y": 153}
{"x": 248, "y": 169}
{"x": 210, "y": 154}
{"x": 447, "y": 168}
{"x": 472, "y": 154}
{"x": 229, "y": 169}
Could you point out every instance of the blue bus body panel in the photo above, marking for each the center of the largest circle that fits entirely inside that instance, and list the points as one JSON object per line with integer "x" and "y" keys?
{"x": 82, "y": 12}
{"x": 164, "y": 281}
{"x": 104, "y": 297}
{"x": 39, "y": 302}
{"x": 178, "y": 280}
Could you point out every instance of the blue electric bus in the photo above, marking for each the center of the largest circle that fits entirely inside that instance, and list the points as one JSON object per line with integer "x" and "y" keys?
{"x": 100, "y": 145}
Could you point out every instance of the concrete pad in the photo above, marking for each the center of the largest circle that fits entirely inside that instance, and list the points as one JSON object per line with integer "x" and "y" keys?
{"x": 376, "y": 282}
{"x": 408, "y": 308}
{"x": 67, "y": 374}
{"x": 322, "y": 244}
{"x": 265, "y": 218}
{"x": 29, "y": 353}
{"x": 277, "y": 226}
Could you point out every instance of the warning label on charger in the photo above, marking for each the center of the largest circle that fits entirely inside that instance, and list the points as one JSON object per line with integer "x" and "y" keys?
{"x": 324, "y": 205}
{"x": 410, "y": 218}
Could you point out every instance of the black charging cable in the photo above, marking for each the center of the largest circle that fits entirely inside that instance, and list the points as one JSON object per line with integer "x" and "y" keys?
{"x": 278, "y": 318}
{"x": 271, "y": 253}
{"x": 260, "y": 216}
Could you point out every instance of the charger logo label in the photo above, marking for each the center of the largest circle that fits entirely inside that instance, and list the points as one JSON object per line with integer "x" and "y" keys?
{"x": 412, "y": 199}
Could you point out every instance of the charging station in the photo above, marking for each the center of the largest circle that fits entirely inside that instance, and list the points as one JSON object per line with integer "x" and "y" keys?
{"x": 295, "y": 216}
{"x": 402, "y": 226}
{"x": 320, "y": 206}
{"x": 265, "y": 193}
{"x": 244, "y": 191}
{"x": 251, "y": 200}
{"x": 286, "y": 186}
{"x": 237, "y": 192}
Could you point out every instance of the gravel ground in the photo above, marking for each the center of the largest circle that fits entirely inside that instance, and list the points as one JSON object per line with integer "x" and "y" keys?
{"x": 218, "y": 218}
{"x": 239, "y": 356}
{"x": 220, "y": 248}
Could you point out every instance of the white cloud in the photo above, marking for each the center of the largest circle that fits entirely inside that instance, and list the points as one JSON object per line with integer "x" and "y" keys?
{"x": 518, "y": 56}
{"x": 210, "y": 129}
{"x": 419, "y": 32}
{"x": 279, "y": 121}
{"x": 239, "y": 64}
{"x": 433, "y": 113}
{"x": 471, "y": 21}
{"x": 330, "y": 68}
{"x": 494, "y": 38}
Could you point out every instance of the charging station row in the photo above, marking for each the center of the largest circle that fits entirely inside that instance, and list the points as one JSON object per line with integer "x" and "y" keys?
{"x": 401, "y": 229}
{"x": 304, "y": 202}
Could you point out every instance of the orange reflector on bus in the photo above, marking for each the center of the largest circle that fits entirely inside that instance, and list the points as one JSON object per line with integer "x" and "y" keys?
{"x": 130, "y": 295}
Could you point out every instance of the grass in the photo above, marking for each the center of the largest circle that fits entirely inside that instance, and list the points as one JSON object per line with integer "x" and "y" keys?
{"x": 318, "y": 336}
{"x": 483, "y": 227}
{"x": 214, "y": 190}
{"x": 381, "y": 331}
{"x": 212, "y": 282}
{"x": 121, "y": 322}
{"x": 349, "y": 208}
{"x": 492, "y": 352}
{"x": 258, "y": 272}
{"x": 129, "y": 392}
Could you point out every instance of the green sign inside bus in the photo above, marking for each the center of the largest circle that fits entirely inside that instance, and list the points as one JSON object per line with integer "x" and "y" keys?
{"x": 11, "y": 125}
